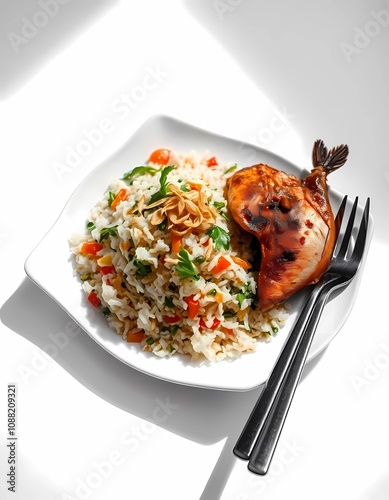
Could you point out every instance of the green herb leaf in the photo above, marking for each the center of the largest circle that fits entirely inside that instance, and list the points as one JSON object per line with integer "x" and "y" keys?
{"x": 108, "y": 231}
{"x": 231, "y": 169}
{"x": 163, "y": 225}
{"x": 90, "y": 226}
{"x": 220, "y": 237}
{"x": 144, "y": 268}
{"x": 139, "y": 171}
{"x": 173, "y": 330}
{"x": 245, "y": 293}
{"x": 106, "y": 311}
{"x": 111, "y": 197}
{"x": 229, "y": 314}
{"x": 169, "y": 302}
{"x": 219, "y": 204}
{"x": 212, "y": 292}
{"x": 163, "y": 190}
{"x": 185, "y": 188}
{"x": 200, "y": 259}
{"x": 185, "y": 267}
{"x": 150, "y": 341}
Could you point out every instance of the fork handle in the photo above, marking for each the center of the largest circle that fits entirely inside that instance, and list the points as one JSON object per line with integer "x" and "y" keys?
{"x": 265, "y": 445}
{"x": 261, "y": 410}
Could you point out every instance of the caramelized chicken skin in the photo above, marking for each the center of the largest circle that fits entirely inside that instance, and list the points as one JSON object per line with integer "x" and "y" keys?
{"x": 292, "y": 220}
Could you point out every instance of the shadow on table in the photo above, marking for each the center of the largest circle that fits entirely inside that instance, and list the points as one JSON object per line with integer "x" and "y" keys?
{"x": 32, "y": 33}
{"x": 202, "y": 415}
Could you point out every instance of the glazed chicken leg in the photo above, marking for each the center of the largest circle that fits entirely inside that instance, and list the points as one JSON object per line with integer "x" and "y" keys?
{"x": 291, "y": 218}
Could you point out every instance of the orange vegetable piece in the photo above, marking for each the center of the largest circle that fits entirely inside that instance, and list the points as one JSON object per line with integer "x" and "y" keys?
{"x": 160, "y": 156}
{"x": 242, "y": 263}
{"x": 91, "y": 247}
{"x": 135, "y": 337}
{"x": 211, "y": 162}
{"x": 176, "y": 242}
{"x": 215, "y": 324}
{"x": 169, "y": 320}
{"x": 193, "y": 306}
{"x": 94, "y": 299}
{"x": 122, "y": 195}
{"x": 222, "y": 265}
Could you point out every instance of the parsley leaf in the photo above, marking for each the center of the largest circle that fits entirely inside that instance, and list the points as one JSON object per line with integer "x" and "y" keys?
{"x": 220, "y": 237}
{"x": 245, "y": 293}
{"x": 108, "y": 231}
{"x": 185, "y": 267}
{"x": 163, "y": 190}
{"x": 90, "y": 226}
{"x": 143, "y": 268}
{"x": 139, "y": 171}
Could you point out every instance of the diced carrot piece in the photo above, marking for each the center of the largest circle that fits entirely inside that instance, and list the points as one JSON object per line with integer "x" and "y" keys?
{"x": 122, "y": 195}
{"x": 242, "y": 263}
{"x": 221, "y": 265}
{"x": 135, "y": 337}
{"x": 194, "y": 186}
{"x": 91, "y": 247}
{"x": 193, "y": 306}
{"x": 176, "y": 242}
{"x": 219, "y": 297}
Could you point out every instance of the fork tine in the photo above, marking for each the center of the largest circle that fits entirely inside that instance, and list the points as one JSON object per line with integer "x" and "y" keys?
{"x": 347, "y": 234}
{"x": 339, "y": 216}
{"x": 360, "y": 242}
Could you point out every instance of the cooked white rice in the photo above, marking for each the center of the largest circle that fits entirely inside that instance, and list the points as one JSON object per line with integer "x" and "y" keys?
{"x": 139, "y": 284}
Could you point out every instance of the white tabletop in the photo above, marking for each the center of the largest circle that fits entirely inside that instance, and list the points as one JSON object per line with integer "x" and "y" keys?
{"x": 280, "y": 76}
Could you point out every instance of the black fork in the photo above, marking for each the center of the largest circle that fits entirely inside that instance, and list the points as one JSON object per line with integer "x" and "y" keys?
{"x": 260, "y": 435}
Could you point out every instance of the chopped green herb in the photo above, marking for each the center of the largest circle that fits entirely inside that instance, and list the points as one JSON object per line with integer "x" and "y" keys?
{"x": 111, "y": 197}
{"x": 200, "y": 259}
{"x": 212, "y": 292}
{"x": 219, "y": 204}
{"x": 150, "y": 341}
{"x": 229, "y": 314}
{"x": 106, "y": 311}
{"x": 90, "y": 226}
{"x": 143, "y": 268}
{"x": 108, "y": 231}
{"x": 220, "y": 237}
{"x": 163, "y": 225}
{"x": 139, "y": 171}
{"x": 185, "y": 267}
{"x": 225, "y": 216}
{"x": 185, "y": 188}
{"x": 245, "y": 293}
{"x": 174, "y": 330}
{"x": 163, "y": 190}
{"x": 171, "y": 348}
{"x": 231, "y": 169}
{"x": 169, "y": 302}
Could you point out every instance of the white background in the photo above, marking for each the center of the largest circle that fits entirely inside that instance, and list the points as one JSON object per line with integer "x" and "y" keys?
{"x": 90, "y": 427}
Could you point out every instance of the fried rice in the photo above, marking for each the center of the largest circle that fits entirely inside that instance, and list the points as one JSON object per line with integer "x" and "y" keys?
{"x": 162, "y": 259}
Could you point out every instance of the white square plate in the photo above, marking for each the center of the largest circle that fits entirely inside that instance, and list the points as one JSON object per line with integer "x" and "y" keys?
{"x": 52, "y": 258}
